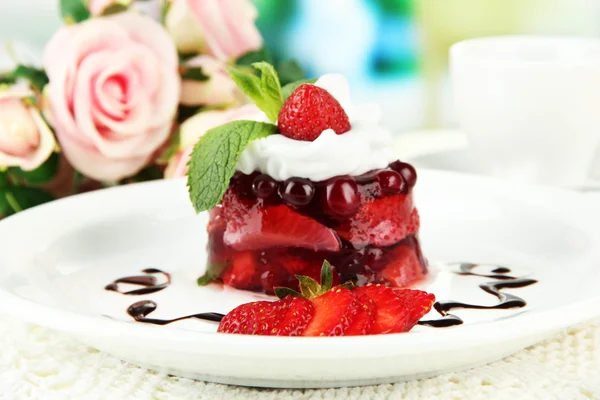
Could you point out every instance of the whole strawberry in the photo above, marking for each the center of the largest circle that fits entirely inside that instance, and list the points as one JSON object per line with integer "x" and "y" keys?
{"x": 309, "y": 111}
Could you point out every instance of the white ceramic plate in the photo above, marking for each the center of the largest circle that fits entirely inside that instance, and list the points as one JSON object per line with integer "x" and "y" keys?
{"x": 57, "y": 258}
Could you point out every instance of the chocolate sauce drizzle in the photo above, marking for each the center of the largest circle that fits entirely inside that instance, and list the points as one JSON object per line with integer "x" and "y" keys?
{"x": 140, "y": 310}
{"x": 148, "y": 282}
{"x": 507, "y": 300}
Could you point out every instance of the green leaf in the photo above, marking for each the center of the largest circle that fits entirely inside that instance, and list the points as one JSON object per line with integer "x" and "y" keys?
{"x": 265, "y": 91}
{"x": 21, "y": 198}
{"x": 282, "y": 292}
{"x": 213, "y": 272}
{"x": 309, "y": 287}
{"x": 290, "y": 71}
{"x": 254, "y": 57}
{"x": 36, "y": 77}
{"x": 215, "y": 156}
{"x": 171, "y": 150}
{"x": 115, "y": 8}
{"x": 73, "y": 11}
{"x": 43, "y": 174}
{"x": 326, "y": 276}
{"x": 290, "y": 87}
{"x": 194, "y": 74}
{"x": 3, "y": 179}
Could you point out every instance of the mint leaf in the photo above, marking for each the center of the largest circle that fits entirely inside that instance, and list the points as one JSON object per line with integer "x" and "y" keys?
{"x": 215, "y": 156}
{"x": 73, "y": 11}
{"x": 213, "y": 271}
{"x": 265, "y": 91}
{"x": 290, "y": 71}
{"x": 290, "y": 87}
{"x": 43, "y": 174}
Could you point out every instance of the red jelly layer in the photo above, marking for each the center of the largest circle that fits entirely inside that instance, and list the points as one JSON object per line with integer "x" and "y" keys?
{"x": 265, "y": 232}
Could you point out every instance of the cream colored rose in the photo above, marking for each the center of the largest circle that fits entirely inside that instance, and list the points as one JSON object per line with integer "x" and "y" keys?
{"x": 26, "y": 141}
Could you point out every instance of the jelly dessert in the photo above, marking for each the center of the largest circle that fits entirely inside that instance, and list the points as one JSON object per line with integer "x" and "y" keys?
{"x": 319, "y": 183}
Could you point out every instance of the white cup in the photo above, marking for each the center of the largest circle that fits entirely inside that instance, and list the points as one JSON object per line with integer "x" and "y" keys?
{"x": 530, "y": 106}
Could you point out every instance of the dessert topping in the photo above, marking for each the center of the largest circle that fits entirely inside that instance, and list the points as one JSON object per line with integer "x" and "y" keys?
{"x": 310, "y": 111}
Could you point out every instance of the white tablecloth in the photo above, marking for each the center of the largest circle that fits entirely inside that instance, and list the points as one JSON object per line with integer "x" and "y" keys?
{"x": 37, "y": 363}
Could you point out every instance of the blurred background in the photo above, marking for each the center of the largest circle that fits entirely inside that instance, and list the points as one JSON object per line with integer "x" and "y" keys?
{"x": 394, "y": 51}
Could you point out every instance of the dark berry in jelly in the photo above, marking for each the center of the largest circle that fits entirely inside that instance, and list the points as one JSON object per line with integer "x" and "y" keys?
{"x": 407, "y": 171}
{"x": 391, "y": 182}
{"x": 341, "y": 197}
{"x": 264, "y": 186}
{"x": 244, "y": 183}
{"x": 297, "y": 191}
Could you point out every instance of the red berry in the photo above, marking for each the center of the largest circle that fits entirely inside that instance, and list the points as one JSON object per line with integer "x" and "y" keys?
{"x": 298, "y": 314}
{"x": 264, "y": 186}
{"x": 380, "y": 222}
{"x": 391, "y": 182}
{"x": 287, "y": 317}
{"x": 417, "y": 302}
{"x": 257, "y": 318}
{"x": 403, "y": 268}
{"x": 277, "y": 226}
{"x": 243, "y": 271}
{"x": 297, "y": 191}
{"x": 407, "y": 171}
{"x": 274, "y": 275}
{"x": 334, "y": 313}
{"x": 365, "y": 318}
{"x": 391, "y": 316}
{"x": 341, "y": 197}
{"x": 309, "y": 111}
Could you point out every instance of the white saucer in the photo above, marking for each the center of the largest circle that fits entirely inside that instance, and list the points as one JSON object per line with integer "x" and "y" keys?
{"x": 57, "y": 258}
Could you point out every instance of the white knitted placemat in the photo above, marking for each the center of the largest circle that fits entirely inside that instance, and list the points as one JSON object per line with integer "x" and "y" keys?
{"x": 37, "y": 363}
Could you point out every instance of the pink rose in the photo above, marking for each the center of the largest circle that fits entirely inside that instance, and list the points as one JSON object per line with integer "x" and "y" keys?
{"x": 113, "y": 92}
{"x": 223, "y": 28}
{"x": 193, "y": 128}
{"x": 26, "y": 141}
{"x": 217, "y": 90}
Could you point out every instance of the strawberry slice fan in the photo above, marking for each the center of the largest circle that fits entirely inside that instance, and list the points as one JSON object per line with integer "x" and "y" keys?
{"x": 322, "y": 310}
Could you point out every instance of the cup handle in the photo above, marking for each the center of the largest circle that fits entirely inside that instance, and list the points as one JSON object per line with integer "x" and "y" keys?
{"x": 593, "y": 180}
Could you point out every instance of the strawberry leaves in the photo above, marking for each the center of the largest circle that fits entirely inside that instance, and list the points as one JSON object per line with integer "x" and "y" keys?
{"x": 265, "y": 91}
{"x": 309, "y": 288}
{"x": 215, "y": 156}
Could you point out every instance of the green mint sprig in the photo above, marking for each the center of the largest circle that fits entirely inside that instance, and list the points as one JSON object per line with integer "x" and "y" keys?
{"x": 265, "y": 91}
{"x": 214, "y": 159}
{"x": 217, "y": 152}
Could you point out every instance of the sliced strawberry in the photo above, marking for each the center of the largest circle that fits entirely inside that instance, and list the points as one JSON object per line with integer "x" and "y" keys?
{"x": 417, "y": 302}
{"x": 257, "y": 318}
{"x": 334, "y": 313}
{"x": 381, "y": 222}
{"x": 403, "y": 268}
{"x": 309, "y": 111}
{"x": 298, "y": 313}
{"x": 391, "y": 316}
{"x": 278, "y": 226}
{"x": 242, "y": 274}
{"x": 365, "y": 318}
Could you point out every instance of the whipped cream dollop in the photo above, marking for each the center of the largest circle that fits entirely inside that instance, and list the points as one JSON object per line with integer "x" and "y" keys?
{"x": 365, "y": 147}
